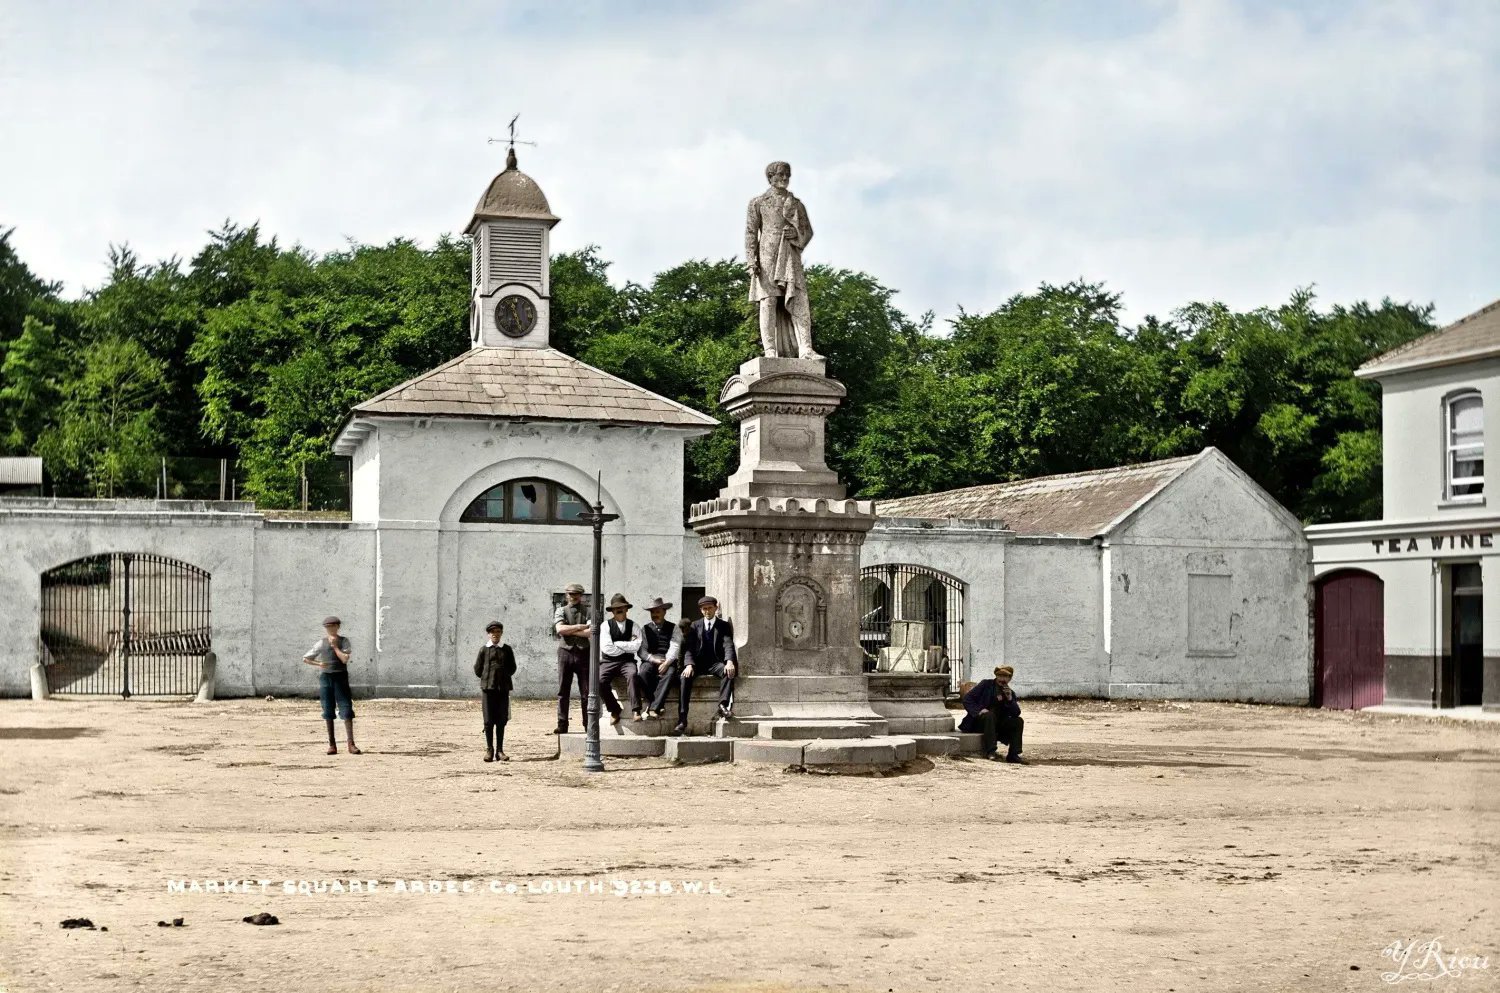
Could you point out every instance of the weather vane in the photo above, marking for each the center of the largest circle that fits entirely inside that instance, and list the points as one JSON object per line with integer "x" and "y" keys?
{"x": 513, "y": 141}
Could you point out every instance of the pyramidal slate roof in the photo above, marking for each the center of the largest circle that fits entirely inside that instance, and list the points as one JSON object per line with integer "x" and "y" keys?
{"x": 1075, "y": 505}
{"x": 1476, "y": 336}
{"x": 525, "y": 383}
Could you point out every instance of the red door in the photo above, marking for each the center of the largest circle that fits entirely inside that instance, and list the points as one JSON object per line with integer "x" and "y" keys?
{"x": 1350, "y": 640}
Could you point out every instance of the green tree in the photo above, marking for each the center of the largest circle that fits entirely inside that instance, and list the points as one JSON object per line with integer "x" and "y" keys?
{"x": 31, "y": 382}
{"x": 108, "y": 434}
{"x": 20, "y": 289}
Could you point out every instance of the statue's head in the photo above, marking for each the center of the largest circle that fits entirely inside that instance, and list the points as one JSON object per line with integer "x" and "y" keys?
{"x": 779, "y": 173}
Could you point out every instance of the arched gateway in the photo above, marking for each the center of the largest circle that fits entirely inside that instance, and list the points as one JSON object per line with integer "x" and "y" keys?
{"x": 125, "y": 623}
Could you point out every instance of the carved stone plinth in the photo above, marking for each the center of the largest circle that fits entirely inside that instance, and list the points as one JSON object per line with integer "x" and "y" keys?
{"x": 781, "y": 406}
{"x": 781, "y": 546}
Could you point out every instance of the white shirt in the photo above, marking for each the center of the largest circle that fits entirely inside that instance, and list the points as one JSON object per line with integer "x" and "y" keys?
{"x": 610, "y": 647}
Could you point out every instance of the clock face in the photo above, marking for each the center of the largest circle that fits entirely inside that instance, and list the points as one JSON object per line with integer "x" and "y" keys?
{"x": 515, "y": 316}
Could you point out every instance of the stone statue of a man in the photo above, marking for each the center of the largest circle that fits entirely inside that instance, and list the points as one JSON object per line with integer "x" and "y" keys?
{"x": 776, "y": 231}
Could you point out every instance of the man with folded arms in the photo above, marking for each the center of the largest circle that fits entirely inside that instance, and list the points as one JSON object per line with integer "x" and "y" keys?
{"x": 619, "y": 645}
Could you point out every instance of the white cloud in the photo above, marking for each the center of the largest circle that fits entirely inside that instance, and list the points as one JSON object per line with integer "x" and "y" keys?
{"x": 1176, "y": 151}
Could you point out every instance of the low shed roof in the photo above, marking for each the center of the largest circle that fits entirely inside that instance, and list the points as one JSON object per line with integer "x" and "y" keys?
{"x": 1074, "y": 505}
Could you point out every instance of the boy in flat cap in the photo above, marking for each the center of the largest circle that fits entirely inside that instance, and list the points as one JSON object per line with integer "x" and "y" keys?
{"x": 994, "y": 713}
{"x": 495, "y": 666}
{"x": 331, "y": 654}
{"x": 572, "y": 624}
{"x": 708, "y": 648}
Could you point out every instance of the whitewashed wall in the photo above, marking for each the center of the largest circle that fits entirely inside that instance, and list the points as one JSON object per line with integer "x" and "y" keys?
{"x": 1413, "y": 439}
{"x": 1054, "y": 629}
{"x": 38, "y": 535}
{"x": 1241, "y": 634}
{"x": 413, "y": 584}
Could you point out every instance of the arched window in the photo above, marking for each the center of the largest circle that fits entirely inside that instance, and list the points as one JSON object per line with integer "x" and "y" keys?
{"x": 526, "y": 501}
{"x": 1464, "y": 451}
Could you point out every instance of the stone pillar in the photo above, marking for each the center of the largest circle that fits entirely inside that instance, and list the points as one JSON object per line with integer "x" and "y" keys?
{"x": 781, "y": 547}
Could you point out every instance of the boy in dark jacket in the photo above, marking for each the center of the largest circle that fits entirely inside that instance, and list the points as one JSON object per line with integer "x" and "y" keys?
{"x": 494, "y": 667}
{"x": 993, "y": 712}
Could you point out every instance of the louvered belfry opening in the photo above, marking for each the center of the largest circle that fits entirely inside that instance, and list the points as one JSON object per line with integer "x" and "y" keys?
{"x": 515, "y": 254}
{"x": 125, "y": 624}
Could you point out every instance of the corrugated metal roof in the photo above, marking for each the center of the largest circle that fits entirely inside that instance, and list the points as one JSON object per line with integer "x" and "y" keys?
{"x": 22, "y": 470}
{"x": 1472, "y": 337}
{"x": 1075, "y": 505}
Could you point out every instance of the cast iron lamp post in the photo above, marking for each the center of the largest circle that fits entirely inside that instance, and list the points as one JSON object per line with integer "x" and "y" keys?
{"x": 592, "y": 762}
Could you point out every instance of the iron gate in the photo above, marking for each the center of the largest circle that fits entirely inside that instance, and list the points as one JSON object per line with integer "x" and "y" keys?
{"x": 916, "y": 609}
{"x": 125, "y": 623}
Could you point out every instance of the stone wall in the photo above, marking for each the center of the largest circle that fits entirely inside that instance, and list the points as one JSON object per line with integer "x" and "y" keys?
{"x": 1208, "y": 595}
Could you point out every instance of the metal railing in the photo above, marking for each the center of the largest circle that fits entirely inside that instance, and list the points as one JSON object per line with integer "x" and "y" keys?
{"x": 912, "y": 620}
{"x": 126, "y": 624}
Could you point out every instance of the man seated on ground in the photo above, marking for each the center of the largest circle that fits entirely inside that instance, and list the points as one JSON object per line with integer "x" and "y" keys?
{"x": 992, "y": 711}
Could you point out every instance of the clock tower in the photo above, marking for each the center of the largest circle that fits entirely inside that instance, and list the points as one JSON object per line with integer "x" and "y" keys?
{"x": 509, "y": 283}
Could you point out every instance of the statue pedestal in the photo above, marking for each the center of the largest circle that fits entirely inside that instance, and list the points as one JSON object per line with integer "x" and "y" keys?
{"x": 780, "y": 406}
{"x": 782, "y": 552}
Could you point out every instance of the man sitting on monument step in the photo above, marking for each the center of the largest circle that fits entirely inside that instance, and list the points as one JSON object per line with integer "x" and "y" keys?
{"x": 619, "y": 647}
{"x": 993, "y": 712}
{"x": 708, "y": 648}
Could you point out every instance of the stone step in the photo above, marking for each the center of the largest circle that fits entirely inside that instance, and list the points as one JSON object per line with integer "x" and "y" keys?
{"x": 695, "y": 750}
{"x": 886, "y": 751}
{"x": 938, "y": 724}
{"x": 846, "y": 754}
{"x": 936, "y": 744}
{"x": 765, "y": 750}
{"x": 616, "y": 746}
{"x": 812, "y": 730}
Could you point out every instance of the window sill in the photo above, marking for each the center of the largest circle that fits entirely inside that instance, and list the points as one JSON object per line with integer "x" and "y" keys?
{"x": 1460, "y": 502}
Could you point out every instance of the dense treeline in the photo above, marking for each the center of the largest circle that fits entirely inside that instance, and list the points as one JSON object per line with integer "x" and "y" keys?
{"x": 255, "y": 351}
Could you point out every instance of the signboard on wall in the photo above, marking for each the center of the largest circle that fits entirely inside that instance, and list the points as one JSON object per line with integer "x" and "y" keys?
{"x": 1478, "y": 541}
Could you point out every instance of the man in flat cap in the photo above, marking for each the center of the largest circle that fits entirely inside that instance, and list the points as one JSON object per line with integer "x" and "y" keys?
{"x": 619, "y": 647}
{"x": 661, "y": 655}
{"x": 331, "y": 654}
{"x": 708, "y": 648}
{"x": 993, "y": 712}
{"x": 572, "y": 624}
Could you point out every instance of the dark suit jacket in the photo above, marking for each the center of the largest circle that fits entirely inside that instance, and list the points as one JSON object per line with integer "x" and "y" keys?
{"x": 985, "y": 695}
{"x": 494, "y": 667}
{"x": 699, "y": 654}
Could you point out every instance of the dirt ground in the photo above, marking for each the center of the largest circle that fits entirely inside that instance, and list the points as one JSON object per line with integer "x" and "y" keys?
{"x": 1157, "y": 847}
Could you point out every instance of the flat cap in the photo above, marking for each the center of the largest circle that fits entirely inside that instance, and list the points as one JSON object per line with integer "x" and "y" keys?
{"x": 573, "y": 588}
{"x": 494, "y": 625}
{"x": 704, "y": 601}
{"x": 330, "y": 619}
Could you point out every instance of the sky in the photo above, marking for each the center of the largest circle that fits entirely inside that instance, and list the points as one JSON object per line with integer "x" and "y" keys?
{"x": 961, "y": 152}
